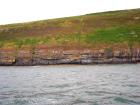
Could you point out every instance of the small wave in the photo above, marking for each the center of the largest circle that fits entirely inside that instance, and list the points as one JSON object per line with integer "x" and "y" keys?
{"x": 131, "y": 85}
{"x": 60, "y": 86}
{"x": 124, "y": 100}
{"x": 36, "y": 66}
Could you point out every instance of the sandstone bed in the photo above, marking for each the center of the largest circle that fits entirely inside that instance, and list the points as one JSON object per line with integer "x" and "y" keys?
{"x": 45, "y": 56}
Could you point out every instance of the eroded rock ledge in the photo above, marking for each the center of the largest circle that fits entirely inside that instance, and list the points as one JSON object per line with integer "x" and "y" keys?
{"x": 44, "y": 56}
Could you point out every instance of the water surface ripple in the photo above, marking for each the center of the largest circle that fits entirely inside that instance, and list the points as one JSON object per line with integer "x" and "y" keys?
{"x": 70, "y": 85}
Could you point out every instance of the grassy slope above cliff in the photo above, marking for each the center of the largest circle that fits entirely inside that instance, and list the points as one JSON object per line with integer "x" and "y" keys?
{"x": 108, "y": 29}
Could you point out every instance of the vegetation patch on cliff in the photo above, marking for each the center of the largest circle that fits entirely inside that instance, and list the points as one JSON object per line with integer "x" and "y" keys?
{"x": 87, "y": 31}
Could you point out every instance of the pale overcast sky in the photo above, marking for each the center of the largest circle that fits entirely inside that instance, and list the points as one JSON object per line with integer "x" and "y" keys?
{"x": 14, "y": 11}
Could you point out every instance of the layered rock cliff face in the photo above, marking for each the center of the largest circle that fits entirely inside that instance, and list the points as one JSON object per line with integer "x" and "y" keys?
{"x": 44, "y": 56}
{"x": 98, "y": 38}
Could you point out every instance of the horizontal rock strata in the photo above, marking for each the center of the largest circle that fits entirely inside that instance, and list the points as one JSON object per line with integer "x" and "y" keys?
{"x": 44, "y": 56}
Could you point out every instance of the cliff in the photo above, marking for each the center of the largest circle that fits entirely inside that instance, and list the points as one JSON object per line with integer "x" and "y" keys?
{"x": 47, "y": 56}
{"x": 100, "y": 38}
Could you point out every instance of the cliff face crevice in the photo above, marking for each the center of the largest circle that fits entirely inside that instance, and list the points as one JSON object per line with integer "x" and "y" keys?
{"x": 56, "y": 56}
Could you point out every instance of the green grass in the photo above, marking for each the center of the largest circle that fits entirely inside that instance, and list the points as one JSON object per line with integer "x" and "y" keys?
{"x": 115, "y": 35}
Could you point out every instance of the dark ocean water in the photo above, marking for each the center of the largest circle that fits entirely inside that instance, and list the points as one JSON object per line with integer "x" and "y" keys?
{"x": 70, "y": 85}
